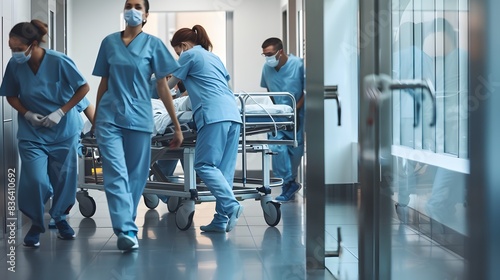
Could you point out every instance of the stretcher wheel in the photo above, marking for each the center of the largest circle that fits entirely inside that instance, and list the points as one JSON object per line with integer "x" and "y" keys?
{"x": 272, "y": 213}
{"x": 151, "y": 200}
{"x": 173, "y": 204}
{"x": 86, "y": 204}
{"x": 184, "y": 215}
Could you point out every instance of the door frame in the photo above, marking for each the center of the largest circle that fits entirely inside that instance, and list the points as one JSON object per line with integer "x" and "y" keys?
{"x": 374, "y": 231}
{"x": 314, "y": 190}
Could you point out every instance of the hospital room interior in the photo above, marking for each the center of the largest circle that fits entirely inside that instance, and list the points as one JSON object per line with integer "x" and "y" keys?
{"x": 397, "y": 179}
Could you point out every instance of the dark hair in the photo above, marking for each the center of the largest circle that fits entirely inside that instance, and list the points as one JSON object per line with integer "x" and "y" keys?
{"x": 146, "y": 5}
{"x": 196, "y": 35}
{"x": 28, "y": 32}
{"x": 273, "y": 41}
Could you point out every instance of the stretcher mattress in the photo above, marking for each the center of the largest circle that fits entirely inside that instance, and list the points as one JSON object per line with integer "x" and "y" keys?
{"x": 262, "y": 115}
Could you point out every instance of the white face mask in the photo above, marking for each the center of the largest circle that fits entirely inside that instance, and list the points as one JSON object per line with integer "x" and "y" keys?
{"x": 272, "y": 61}
{"x": 21, "y": 57}
{"x": 133, "y": 17}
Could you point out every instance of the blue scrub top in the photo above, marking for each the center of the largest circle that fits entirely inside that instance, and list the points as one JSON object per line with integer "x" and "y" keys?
{"x": 46, "y": 91}
{"x": 205, "y": 78}
{"x": 127, "y": 102}
{"x": 290, "y": 78}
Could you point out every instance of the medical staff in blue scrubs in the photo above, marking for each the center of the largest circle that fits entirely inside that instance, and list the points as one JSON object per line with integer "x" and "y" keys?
{"x": 217, "y": 120}
{"x": 285, "y": 73}
{"x": 44, "y": 86}
{"x": 124, "y": 121}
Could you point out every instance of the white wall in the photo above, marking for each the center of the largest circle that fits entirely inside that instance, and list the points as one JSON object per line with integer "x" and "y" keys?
{"x": 22, "y": 10}
{"x": 341, "y": 68}
{"x": 91, "y": 20}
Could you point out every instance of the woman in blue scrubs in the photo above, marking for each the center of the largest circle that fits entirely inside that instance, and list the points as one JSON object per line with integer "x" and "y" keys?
{"x": 217, "y": 120}
{"x": 44, "y": 86}
{"x": 124, "y": 119}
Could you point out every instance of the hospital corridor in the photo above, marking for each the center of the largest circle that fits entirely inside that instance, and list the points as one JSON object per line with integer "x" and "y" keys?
{"x": 249, "y": 139}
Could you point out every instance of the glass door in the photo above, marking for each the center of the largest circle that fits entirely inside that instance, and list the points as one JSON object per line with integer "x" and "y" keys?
{"x": 413, "y": 138}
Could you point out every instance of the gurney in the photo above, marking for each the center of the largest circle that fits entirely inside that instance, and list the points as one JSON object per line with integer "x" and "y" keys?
{"x": 184, "y": 192}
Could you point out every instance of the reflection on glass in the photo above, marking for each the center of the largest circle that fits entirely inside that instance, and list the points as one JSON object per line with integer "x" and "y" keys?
{"x": 430, "y": 41}
{"x": 433, "y": 49}
{"x": 446, "y": 203}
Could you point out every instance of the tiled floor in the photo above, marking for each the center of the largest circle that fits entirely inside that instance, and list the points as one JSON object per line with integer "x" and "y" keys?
{"x": 414, "y": 256}
{"x": 253, "y": 250}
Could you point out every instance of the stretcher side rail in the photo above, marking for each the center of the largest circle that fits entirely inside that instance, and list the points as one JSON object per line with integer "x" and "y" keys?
{"x": 277, "y": 123}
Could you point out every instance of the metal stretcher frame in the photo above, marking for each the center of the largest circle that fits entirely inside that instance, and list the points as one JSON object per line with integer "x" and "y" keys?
{"x": 185, "y": 192}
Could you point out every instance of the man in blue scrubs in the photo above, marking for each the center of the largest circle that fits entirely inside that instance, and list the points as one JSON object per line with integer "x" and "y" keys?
{"x": 285, "y": 73}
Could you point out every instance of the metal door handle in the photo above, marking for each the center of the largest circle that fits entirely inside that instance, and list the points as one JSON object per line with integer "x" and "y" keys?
{"x": 331, "y": 92}
{"x": 378, "y": 87}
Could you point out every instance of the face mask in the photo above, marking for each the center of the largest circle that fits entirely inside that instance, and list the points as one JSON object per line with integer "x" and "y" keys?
{"x": 133, "y": 17}
{"x": 182, "y": 50}
{"x": 21, "y": 57}
{"x": 272, "y": 61}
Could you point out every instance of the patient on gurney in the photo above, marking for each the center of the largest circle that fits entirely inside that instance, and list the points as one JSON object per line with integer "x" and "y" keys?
{"x": 162, "y": 118}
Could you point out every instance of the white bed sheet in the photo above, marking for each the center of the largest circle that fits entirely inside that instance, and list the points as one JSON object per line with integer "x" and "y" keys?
{"x": 162, "y": 118}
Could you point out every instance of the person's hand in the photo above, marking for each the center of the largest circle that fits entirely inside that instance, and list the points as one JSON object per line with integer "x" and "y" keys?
{"x": 53, "y": 118}
{"x": 33, "y": 118}
{"x": 177, "y": 140}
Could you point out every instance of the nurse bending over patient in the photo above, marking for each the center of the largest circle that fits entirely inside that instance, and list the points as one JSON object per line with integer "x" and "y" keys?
{"x": 217, "y": 120}
{"x": 44, "y": 86}
{"x": 123, "y": 121}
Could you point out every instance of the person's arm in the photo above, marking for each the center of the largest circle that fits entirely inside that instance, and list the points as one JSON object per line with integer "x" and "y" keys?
{"x": 182, "y": 88}
{"x": 77, "y": 97}
{"x": 55, "y": 117}
{"x": 90, "y": 112}
{"x": 15, "y": 102}
{"x": 33, "y": 118}
{"x": 300, "y": 103}
{"x": 166, "y": 98}
{"x": 103, "y": 87}
{"x": 173, "y": 81}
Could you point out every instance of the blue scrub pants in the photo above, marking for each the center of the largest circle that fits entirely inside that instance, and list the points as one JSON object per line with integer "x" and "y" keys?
{"x": 126, "y": 158}
{"x": 215, "y": 161}
{"x": 287, "y": 160}
{"x": 47, "y": 170}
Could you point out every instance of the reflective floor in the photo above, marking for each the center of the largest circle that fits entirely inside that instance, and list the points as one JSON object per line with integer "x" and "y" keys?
{"x": 253, "y": 250}
{"x": 414, "y": 255}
